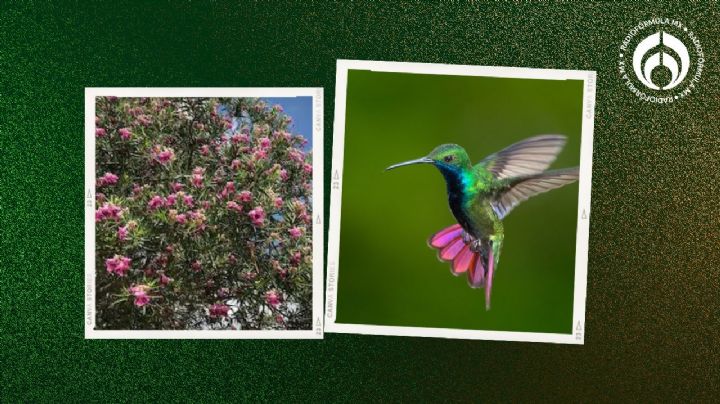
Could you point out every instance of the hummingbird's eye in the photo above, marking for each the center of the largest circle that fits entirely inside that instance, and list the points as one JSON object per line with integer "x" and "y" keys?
{"x": 448, "y": 158}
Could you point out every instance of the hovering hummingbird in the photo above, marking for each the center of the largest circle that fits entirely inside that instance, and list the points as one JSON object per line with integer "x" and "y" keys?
{"x": 480, "y": 197}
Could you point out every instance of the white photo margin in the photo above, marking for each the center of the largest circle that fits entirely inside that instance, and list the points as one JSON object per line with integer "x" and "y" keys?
{"x": 316, "y": 332}
{"x": 577, "y": 335}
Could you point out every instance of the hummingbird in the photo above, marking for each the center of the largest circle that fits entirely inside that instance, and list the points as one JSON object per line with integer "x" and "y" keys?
{"x": 482, "y": 195}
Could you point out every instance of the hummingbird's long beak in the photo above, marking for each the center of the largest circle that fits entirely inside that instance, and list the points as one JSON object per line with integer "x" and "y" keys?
{"x": 422, "y": 160}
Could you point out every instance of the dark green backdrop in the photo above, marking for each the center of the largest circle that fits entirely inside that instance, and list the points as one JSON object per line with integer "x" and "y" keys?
{"x": 388, "y": 275}
{"x": 653, "y": 302}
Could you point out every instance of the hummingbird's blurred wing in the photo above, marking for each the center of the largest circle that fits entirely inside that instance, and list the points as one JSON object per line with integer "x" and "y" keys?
{"x": 520, "y": 189}
{"x": 530, "y": 156}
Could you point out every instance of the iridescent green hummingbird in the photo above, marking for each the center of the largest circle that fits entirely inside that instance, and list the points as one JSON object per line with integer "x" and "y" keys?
{"x": 481, "y": 196}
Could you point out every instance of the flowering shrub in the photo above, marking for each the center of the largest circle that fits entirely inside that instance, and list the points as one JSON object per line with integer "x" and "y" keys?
{"x": 203, "y": 215}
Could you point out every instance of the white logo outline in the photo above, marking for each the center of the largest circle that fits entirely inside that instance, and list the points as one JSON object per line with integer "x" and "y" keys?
{"x": 678, "y": 71}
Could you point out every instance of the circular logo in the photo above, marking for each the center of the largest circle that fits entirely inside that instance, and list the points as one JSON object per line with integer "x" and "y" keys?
{"x": 661, "y": 61}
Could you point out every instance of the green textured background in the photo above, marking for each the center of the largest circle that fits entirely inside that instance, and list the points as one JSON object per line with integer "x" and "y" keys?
{"x": 653, "y": 285}
{"x": 387, "y": 274}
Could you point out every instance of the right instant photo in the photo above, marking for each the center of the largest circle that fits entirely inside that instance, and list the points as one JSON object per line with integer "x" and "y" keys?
{"x": 460, "y": 201}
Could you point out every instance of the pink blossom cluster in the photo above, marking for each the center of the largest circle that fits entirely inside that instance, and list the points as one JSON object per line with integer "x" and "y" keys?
{"x": 118, "y": 265}
{"x": 107, "y": 179}
{"x": 140, "y": 294}
{"x": 108, "y": 211}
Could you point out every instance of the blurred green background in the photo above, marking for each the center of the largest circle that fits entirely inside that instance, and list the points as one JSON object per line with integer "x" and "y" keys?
{"x": 387, "y": 273}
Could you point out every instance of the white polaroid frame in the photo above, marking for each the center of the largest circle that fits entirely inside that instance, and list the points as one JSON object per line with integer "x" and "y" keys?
{"x": 583, "y": 223}
{"x": 317, "y": 199}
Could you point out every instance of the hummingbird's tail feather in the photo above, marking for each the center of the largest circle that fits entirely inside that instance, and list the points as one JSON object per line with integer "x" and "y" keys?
{"x": 465, "y": 254}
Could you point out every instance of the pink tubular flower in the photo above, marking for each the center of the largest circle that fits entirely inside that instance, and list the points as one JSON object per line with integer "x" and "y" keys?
{"x": 100, "y": 132}
{"x": 259, "y": 155}
{"x": 219, "y": 310}
{"x": 296, "y": 155}
{"x": 264, "y": 143}
{"x": 122, "y": 233}
{"x": 107, "y": 179}
{"x": 296, "y": 232}
{"x": 229, "y": 189}
{"x": 307, "y": 168}
{"x": 125, "y": 133}
{"x": 165, "y": 280}
{"x": 235, "y": 165}
{"x": 205, "y": 150}
{"x": 284, "y": 175}
{"x": 177, "y": 187}
{"x": 257, "y": 216}
{"x": 278, "y": 108}
{"x": 272, "y": 298}
{"x": 155, "y": 202}
{"x": 197, "y": 177}
{"x": 118, "y": 265}
{"x": 244, "y": 196}
{"x": 181, "y": 218}
{"x": 140, "y": 293}
{"x": 188, "y": 200}
{"x": 232, "y": 205}
{"x": 108, "y": 211}
{"x": 295, "y": 258}
{"x": 170, "y": 200}
{"x": 278, "y": 202}
{"x": 196, "y": 266}
{"x": 162, "y": 154}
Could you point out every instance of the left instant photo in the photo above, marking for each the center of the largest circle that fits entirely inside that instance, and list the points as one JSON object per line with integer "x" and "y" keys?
{"x": 203, "y": 213}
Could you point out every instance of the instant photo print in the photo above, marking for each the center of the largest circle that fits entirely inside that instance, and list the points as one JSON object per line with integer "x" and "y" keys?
{"x": 460, "y": 201}
{"x": 203, "y": 213}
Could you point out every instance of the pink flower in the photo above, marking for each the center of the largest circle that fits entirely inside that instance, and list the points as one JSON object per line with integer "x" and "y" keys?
{"x": 307, "y": 168}
{"x": 155, "y": 202}
{"x": 205, "y": 150}
{"x": 296, "y": 232}
{"x": 171, "y": 199}
{"x": 244, "y": 196}
{"x": 272, "y": 298}
{"x": 118, "y": 265}
{"x": 296, "y": 155}
{"x": 295, "y": 258}
{"x": 257, "y": 216}
{"x": 197, "y": 180}
{"x": 264, "y": 142}
{"x": 196, "y": 266}
{"x": 165, "y": 280}
{"x": 259, "y": 155}
{"x": 100, "y": 132}
{"x": 163, "y": 155}
{"x": 107, "y": 179}
{"x": 229, "y": 188}
{"x": 177, "y": 187}
{"x": 125, "y": 133}
{"x": 219, "y": 310}
{"x": 232, "y": 205}
{"x": 181, "y": 218}
{"x": 108, "y": 211}
{"x": 278, "y": 202}
{"x": 188, "y": 200}
{"x": 278, "y": 108}
{"x": 140, "y": 293}
{"x": 240, "y": 138}
{"x": 197, "y": 177}
{"x": 235, "y": 165}
{"x": 284, "y": 175}
{"x": 122, "y": 233}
